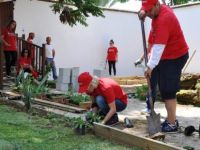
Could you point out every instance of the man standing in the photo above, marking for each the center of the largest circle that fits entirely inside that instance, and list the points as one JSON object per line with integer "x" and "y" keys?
{"x": 169, "y": 54}
{"x": 50, "y": 54}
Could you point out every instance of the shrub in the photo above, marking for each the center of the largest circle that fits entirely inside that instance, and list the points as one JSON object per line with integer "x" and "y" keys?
{"x": 141, "y": 92}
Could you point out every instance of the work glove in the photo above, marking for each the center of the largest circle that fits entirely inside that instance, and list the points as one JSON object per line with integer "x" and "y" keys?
{"x": 138, "y": 62}
{"x": 142, "y": 14}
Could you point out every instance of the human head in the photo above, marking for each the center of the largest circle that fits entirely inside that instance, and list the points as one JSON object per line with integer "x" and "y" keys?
{"x": 31, "y": 35}
{"x": 84, "y": 80}
{"x": 48, "y": 39}
{"x": 12, "y": 25}
{"x": 25, "y": 52}
{"x": 151, "y": 7}
{"x": 87, "y": 83}
{"x": 111, "y": 42}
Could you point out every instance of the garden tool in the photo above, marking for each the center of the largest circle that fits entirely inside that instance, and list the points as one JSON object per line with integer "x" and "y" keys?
{"x": 105, "y": 64}
{"x": 190, "y": 129}
{"x": 128, "y": 123}
{"x": 153, "y": 119}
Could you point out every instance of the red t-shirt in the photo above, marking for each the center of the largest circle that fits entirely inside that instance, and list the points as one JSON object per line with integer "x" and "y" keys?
{"x": 110, "y": 90}
{"x": 10, "y": 38}
{"x": 112, "y": 54}
{"x": 166, "y": 30}
{"x": 24, "y": 61}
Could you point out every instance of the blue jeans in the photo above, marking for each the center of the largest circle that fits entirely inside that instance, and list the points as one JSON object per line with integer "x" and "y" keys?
{"x": 51, "y": 62}
{"x": 103, "y": 106}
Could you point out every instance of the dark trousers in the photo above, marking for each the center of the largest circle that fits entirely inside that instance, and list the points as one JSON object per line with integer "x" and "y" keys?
{"x": 11, "y": 58}
{"x": 103, "y": 106}
{"x": 111, "y": 65}
{"x": 154, "y": 84}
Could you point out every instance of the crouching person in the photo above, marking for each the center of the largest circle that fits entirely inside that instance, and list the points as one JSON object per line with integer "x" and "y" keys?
{"x": 25, "y": 64}
{"x": 107, "y": 96}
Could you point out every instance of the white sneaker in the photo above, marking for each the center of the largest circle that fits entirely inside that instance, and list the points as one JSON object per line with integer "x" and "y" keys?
{"x": 146, "y": 111}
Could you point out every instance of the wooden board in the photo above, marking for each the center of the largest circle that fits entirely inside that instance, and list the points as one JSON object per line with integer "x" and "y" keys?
{"x": 130, "y": 139}
{"x": 58, "y": 106}
{"x": 49, "y": 104}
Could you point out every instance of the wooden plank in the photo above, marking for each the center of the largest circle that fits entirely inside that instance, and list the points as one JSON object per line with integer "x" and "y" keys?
{"x": 130, "y": 139}
{"x": 49, "y": 104}
{"x": 59, "y": 106}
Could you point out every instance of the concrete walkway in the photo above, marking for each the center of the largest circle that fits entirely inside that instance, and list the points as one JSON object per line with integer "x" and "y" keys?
{"x": 186, "y": 114}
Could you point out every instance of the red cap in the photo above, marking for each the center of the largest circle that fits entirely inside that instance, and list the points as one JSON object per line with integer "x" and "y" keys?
{"x": 148, "y": 4}
{"x": 84, "y": 80}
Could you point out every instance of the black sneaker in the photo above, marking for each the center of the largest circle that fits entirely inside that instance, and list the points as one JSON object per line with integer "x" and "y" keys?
{"x": 176, "y": 123}
{"x": 168, "y": 127}
{"x": 113, "y": 120}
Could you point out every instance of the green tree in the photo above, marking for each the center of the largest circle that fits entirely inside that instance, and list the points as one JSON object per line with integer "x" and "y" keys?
{"x": 73, "y": 11}
{"x": 76, "y": 11}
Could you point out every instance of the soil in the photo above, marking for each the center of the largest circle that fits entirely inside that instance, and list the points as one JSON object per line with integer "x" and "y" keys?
{"x": 186, "y": 115}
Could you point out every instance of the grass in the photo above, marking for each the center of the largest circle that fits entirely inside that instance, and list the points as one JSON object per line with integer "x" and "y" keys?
{"x": 20, "y": 131}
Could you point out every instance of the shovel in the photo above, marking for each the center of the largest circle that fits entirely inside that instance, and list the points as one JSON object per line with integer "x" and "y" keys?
{"x": 153, "y": 120}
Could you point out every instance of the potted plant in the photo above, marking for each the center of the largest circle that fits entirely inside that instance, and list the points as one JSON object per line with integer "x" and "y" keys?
{"x": 79, "y": 126}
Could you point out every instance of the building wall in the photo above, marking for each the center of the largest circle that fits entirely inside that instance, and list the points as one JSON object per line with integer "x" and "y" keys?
{"x": 188, "y": 17}
{"x": 81, "y": 46}
{"x": 86, "y": 47}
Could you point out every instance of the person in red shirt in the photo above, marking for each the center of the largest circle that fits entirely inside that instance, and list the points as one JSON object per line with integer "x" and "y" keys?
{"x": 112, "y": 57}
{"x": 169, "y": 54}
{"x": 10, "y": 46}
{"x": 106, "y": 94}
{"x": 26, "y": 64}
{"x": 31, "y": 48}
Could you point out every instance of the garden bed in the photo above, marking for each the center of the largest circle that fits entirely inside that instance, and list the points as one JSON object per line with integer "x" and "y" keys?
{"x": 65, "y": 107}
{"x": 138, "y": 136}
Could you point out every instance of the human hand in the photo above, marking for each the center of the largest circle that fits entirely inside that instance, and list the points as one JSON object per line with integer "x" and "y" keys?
{"x": 141, "y": 14}
{"x": 103, "y": 122}
{"x": 148, "y": 72}
{"x": 138, "y": 61}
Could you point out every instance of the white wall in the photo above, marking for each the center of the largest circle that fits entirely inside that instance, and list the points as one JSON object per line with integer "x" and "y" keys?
{"x": 81, "y": 46}
{"x": 190, "y": 23}
{"x": 86, "y": 46}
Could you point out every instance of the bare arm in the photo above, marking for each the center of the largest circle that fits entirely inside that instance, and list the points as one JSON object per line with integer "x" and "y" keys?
{"x": 111, "y": 112}
{"x": 4, "y": 42}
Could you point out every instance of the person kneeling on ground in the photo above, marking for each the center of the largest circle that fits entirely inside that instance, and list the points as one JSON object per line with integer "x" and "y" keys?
{"x": 107, "y": 96}
{"x": 26, "y": 64}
